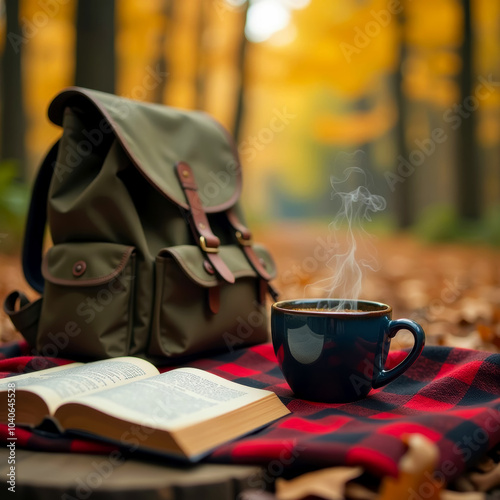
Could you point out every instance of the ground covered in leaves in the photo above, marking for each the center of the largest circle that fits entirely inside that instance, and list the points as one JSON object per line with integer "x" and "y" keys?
{"x": 452, "y": 290}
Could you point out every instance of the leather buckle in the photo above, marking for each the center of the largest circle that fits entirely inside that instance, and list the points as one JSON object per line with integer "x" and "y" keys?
{"x": 205, "y": 248}
{"x": 242, "y": 241}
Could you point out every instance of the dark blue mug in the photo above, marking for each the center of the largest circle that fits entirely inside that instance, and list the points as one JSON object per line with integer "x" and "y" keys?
{"x": 337, "y": 355}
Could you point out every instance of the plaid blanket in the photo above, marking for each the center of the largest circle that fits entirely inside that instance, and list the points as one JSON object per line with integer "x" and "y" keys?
{"x": 450, "y": 395}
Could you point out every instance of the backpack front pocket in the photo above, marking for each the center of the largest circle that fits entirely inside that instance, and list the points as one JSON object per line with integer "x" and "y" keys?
{"x": 88, "y": 301}
{"x": 194, "y": 313}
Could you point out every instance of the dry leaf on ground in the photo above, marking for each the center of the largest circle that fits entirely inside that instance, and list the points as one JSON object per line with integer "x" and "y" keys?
{"x": 327, "y": 484}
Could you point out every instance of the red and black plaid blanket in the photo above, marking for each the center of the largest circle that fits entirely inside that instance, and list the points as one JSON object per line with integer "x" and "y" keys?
{"x": 450, "y": 395}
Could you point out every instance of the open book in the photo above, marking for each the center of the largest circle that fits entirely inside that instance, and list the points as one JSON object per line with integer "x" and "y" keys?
{"x": 184, "y": 412}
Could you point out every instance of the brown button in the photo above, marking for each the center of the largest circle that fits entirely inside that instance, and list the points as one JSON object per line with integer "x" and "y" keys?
{"x": 79, "y": 268}
{"x": 185, "y": 173}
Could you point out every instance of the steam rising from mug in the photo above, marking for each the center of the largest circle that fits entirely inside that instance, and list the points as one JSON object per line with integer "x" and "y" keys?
{"x": 356, "y": 207}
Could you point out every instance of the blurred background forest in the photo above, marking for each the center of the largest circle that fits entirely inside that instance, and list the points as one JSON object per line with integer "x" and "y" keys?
{"x": 303, "y": 85}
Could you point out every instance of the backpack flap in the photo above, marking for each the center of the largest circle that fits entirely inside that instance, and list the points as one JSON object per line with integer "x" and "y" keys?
{"x": 156, "y": 138}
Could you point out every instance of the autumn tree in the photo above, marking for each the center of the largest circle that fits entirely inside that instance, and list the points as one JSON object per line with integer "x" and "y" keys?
{"x": 468, "y": 170}
{"x": 12, "y": 119}
{"x": 95, "y": 45}
{"x": 240, "y": 63}
{"x": 404, "y": 194}
{"x": 162, "y": 62}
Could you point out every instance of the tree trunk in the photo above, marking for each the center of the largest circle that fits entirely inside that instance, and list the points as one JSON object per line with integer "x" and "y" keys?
{"x": 404, "y": 195}
{"x": 12, "y": 120}
{"x": 201, "y": 70}
{"x": 240, "y": 103}
{"x": 468, "y": 169}
{"x": 162, "y": 61}
{"x": 95, "y": 45}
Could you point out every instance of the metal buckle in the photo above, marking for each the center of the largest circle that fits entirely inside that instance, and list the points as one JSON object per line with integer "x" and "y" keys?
{"x": 242, "y": 241}
{"x": 203, "y": 245}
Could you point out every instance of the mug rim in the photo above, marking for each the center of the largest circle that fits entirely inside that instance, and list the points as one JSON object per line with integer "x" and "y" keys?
{"x": 281, "y": 306}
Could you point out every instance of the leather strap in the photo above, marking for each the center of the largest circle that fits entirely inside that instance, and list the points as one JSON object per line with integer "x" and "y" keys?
{"x": 214, "y": 299}
{"x": 244, "y": 237}
{"x": 262, "y": 291}
{"x": 198, "y": 221}
{"x": 24, "y": 315}
{"x": 273, "y": 292}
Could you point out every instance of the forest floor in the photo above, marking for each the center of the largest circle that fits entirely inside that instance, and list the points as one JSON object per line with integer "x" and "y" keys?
{"x": 453, "y": 290}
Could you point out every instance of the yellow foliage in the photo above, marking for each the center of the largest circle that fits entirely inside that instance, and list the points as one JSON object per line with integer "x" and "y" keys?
{"x": 48, "y": 66}
{"x": 328, "y": 48}
{"x": 434, "y": 23}
{"x": 356, "y": 127}
{"x": 140, "y": 27}
{"x": 332, "y": 55}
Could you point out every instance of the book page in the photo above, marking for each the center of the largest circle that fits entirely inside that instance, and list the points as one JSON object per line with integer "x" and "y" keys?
{"x": 60, "y": 385}
{"x": 33, "y": 377}
{"x": 174, "y": 399}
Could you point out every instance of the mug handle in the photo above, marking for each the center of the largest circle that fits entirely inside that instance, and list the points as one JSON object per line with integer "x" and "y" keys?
{"x": 386, "y": 376}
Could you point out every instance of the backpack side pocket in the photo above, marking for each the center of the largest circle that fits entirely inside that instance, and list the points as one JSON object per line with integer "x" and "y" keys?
{"x": 88, "y": 301}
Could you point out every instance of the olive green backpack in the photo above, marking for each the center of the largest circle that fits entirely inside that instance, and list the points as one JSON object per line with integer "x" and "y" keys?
{"x": 150, "y": 253}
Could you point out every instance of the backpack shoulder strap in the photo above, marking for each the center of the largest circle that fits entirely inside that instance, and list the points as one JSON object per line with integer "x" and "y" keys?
{"x": 36, "y": 222}
{"x": 23, "y": 313}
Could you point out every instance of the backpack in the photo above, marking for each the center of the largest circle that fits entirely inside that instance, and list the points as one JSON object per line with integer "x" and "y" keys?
{"x": 151, "y": 256}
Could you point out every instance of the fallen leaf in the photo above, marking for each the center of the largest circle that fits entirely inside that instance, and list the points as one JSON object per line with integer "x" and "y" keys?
{"x": 256, "y": 495}
{"x": 474, "y": 310}
{"x": 471, "y": 341}
{"x": 486, "y": 464}
{"x": 355, "y": 491}
{"x": 456, "y": 495}
{"x": 463, "y": 483}
{"x": 440, "y": 328}
{"x": 486, "y": 481}
{"x": 485, "y": 332}
{"x": 328, "y": 484}
{"x": 415, "y": 470}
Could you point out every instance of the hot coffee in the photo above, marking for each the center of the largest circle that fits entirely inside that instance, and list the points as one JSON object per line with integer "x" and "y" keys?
{"x": 337, "y": 356}
{"x": 335, "y": 306}
{"x": 322, "y": 309}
